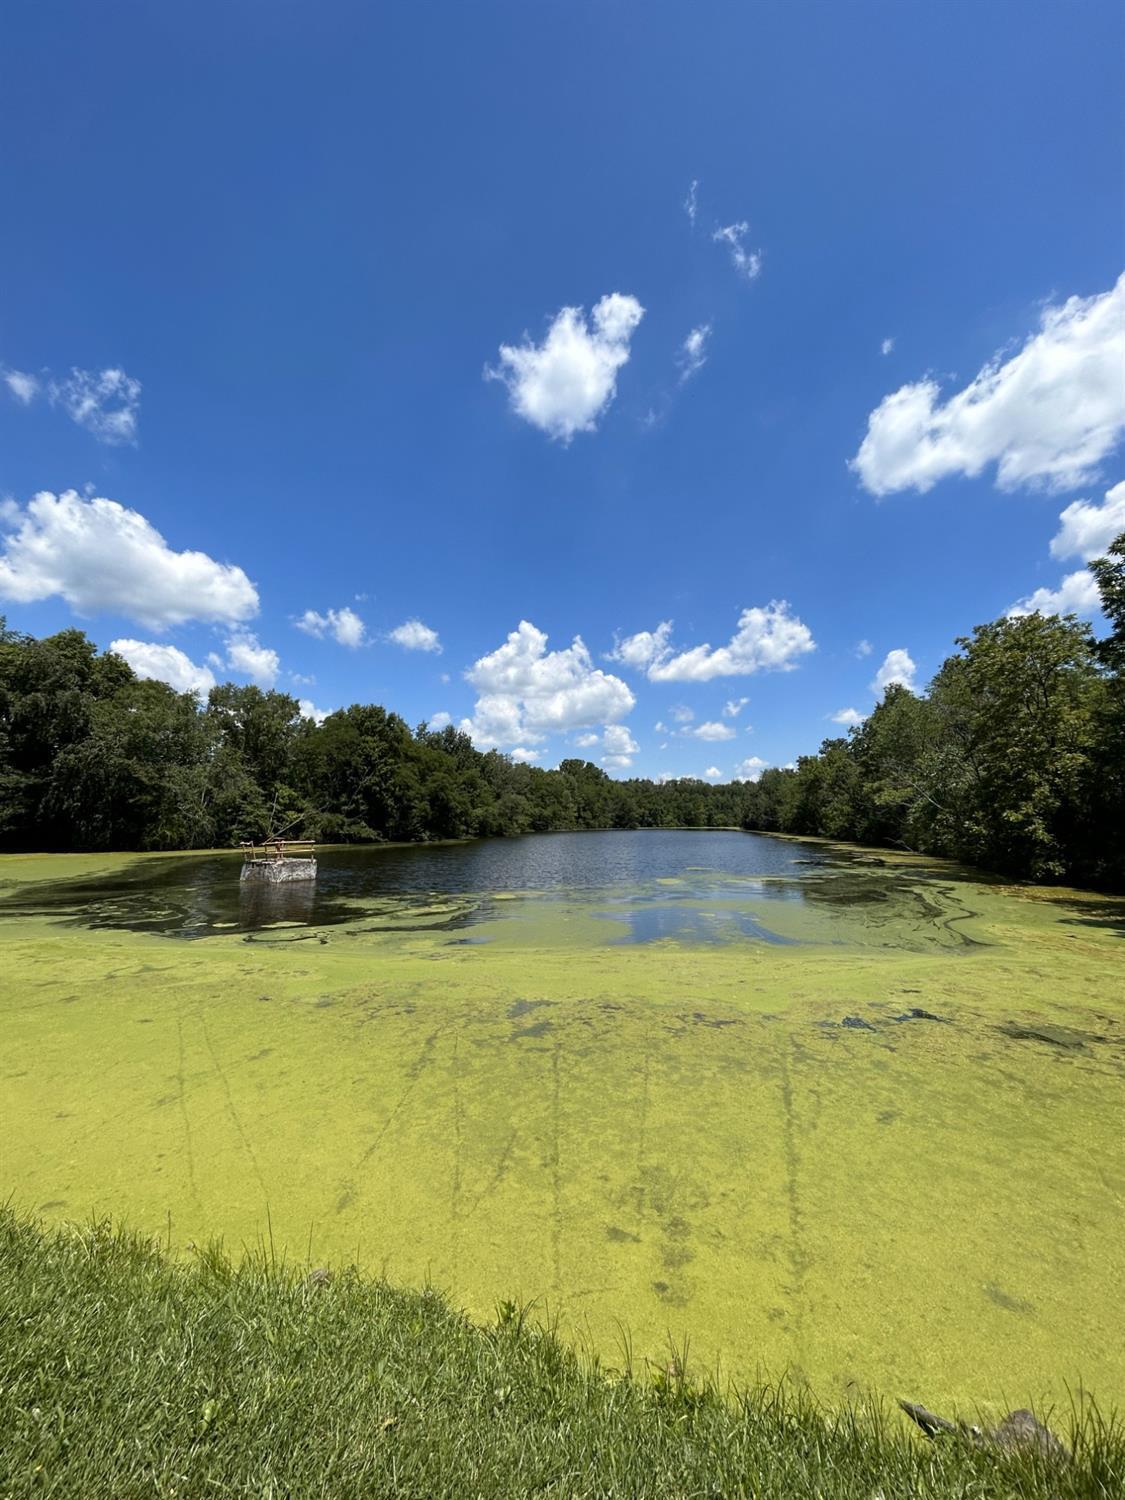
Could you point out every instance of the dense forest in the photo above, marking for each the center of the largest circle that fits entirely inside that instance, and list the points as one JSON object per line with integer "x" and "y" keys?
{"x": 1014, "y": 759}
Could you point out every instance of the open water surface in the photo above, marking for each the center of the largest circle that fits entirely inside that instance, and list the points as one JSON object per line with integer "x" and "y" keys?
{"x": 641, "y": 886}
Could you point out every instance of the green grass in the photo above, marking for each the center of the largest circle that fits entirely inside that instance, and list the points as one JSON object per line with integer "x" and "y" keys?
{"x": 123, "y": 1374}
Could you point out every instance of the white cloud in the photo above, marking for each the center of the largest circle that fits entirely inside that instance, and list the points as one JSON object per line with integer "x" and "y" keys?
{"x": 246, "y": 655}
{"x": 440, "y": 720}
{"x": 897, "y": 668}
{"x": 524, "y": 756}
{"x": 563, "y": 385}
{"x": 863, "y": 648}
{"x": 693, "y": 351}
{"x": 681, "y": 714}
{"x": 641, "y": 650}
{"x": 1086, "y": 529}
{"x": 1076, "y": 594}
{"x": 1046, "y": 417}
{"x": 712, "y": 730}
{"x": 344, "y": 625}
{"x": 767, "y": 639}
{"x": 747, "y": 263}
{"x": 587, "y": 741}
{"x": 527, "y": 692}
{"x": 619, "y": 746}
{"x": 24, "y": 387}
{"x": 105, "y": 402}
{"x": 309, "y": 710}
{"x": 713, "y": 773}
{"x": 750, "y": 769}
{"x": 691, "y": 206}
{"x": 169, "y": 664}
{"x": 102, "y": 558}
{"x": 412, "y": 635}
{"x": 847, "y": 717}
{"x": 886, "y": 346}
{"x": 733, "y": 707}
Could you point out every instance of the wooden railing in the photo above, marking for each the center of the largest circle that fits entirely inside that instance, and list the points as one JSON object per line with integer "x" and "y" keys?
{"x": 278, "y": 849}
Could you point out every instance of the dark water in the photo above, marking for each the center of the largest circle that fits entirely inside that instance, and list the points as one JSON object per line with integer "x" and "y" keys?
{"x": 448, "y": 886}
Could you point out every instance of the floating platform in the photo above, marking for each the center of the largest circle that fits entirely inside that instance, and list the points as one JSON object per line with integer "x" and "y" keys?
{"x": 279, "y": 861}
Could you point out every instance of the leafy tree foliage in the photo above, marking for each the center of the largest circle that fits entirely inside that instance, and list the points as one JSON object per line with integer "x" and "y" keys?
{"x": 1014, "y": 760}
{"x": 92, "y": 758}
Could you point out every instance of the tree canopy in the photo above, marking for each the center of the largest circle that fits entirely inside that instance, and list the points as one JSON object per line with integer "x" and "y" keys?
{"x": 1014, "y": 759}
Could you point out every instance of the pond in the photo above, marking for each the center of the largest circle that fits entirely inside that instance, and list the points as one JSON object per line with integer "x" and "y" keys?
{"x": 694, "y": 885}
{"x": 845, "y": 1114}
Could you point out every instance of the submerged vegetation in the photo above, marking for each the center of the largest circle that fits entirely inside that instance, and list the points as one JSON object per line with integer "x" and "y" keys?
{"x": 124, "y": 1374}
{"x": 1014, "y": 760}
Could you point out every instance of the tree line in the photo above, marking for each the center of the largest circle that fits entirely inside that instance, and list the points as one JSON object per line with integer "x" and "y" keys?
{"x": 1014, "y": 759}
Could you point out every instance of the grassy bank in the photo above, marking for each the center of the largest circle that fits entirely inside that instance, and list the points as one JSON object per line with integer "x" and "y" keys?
{"x": 124, "y": 1374}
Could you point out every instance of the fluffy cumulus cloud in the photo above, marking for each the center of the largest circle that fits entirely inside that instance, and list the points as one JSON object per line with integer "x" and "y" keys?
{"x": 886, "y": 346}
{"x": 693, "y": 351}
{"x": 863, "y": 648}
{"x": 847, "y": 717}
{"x": 526, "y": 692}
{"x": 897, "y": 668}
{"x": 1047, "y": 416}
{"x": 309, "y": 710}
{"x": 641, "y": 650}
{"x": 619, "y": 747}
{"x": 343, "y": 625}
{"x": 440, "y": 720}
{"x": 1077, "y": 594}
{"x": 151, "y": 660}
{"x": 1086, "y": 530}
{"x": 768, "y": 638}
{"x": 747, "y": 263}
{"x": 733, "y": 707}
{"x": 412, "y": 635}
{"x": 102, "y": 558}
{"x": 713, "y": 773}
{"x": 563, "y": 385}
{"x": 23, "y": 387}
{"x": 750, "y": 769}
{"x": 524, "y": 756}
{"x": 712, "y": 730}
{"x": 247, "y": 656}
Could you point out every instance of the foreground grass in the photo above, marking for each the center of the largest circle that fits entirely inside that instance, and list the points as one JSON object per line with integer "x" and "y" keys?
{"x": 122, "y": 1375}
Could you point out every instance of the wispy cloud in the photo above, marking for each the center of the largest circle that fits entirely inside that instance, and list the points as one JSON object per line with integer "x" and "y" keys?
{"x": 693, "y": 352}
{"x": 747, "y": 263}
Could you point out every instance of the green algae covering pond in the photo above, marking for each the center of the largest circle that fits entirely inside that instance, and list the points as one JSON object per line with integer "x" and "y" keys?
{"x": 856, "y": 1117}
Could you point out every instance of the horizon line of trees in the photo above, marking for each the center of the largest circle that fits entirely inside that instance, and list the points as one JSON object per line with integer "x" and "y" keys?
{"x": 1014, "y": 760}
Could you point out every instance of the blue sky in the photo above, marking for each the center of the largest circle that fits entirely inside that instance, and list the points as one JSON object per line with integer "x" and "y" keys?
{"x": 287, "y": 284}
